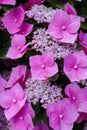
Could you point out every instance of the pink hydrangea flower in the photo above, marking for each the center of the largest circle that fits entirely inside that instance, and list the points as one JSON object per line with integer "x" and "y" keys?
{"x": 17, "y": 76}
{"x": 14, "y": 19}
{"x": 12, "y": 101}
{"x": 8, "y": 2}
{"x": 75, "y": 66}
{"x": 83, "y": 41}
{"x": 61, "y": 115}
{"x": 23, "y": 119}
{"x": 25, "y": 29}
{"x": 30, "y": 3}
{"x": 72, "y": 91}
{"x": 3, "y": 83}
{"x": 43, "y": 66}
{"x": 71, "y": 10}
{"x": 18, "y": 47}
{"x": 64, "y": 27}
{"x": 41, "y": 126}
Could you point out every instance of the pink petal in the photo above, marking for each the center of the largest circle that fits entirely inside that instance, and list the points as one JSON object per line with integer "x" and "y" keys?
{"x": 35, "y": 62}
{"x": 72, "y": 89}
{"x": 81, "y": 62}
{"x": 69, "y": 62}
{"x": 54, "y": 122}
{"x": 54, "y": 31}
{"x": 13, "y": 20}
{"x": 14, "y": 53}
{"x": 6, "y": 98}
{"x": 65, "y": 126}
{"x": 68, "y": 38}
{"x": 39, "y": 74}
{"x": 83, "y": 107}
{"x": 3, "y": 83}
{"x": 70, "y": 113}
{"x": 70, "y": 9}
{"x": 47, "y": 59}
{"x": 17, "y": 75}
{"x": 74, "y": 25}
{"x": 19, "y": 125}
{"x": 50, "y": 71}
{"x": 18, "y": 41}
{"x": 8, "y": 2}
{"x": 25, "y": 29}
{"x": 14, "y": 109}
{"x": 82, "y": 116}
{"x": 61, "y": 18}
{"x": 18, "y": 91}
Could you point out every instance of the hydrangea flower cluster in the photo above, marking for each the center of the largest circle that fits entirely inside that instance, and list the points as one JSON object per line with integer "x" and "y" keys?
{"x": 43, "y": 65}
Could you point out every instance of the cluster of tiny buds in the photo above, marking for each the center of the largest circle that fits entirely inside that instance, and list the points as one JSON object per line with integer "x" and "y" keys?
{"x": 42, "y": 91}
{"x": 41, "y": 13}
{"x": 44, "y": 42}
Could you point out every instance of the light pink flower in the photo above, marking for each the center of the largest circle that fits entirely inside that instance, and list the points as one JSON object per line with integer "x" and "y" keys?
{"x": 23, "y": 119}
{"x": 72, "y": 91}
{"x": 25, "y": 29}
{"x": 14, "y": 19}
{"x": 83, "y": 41}
{"x": 71, "y": 10}
{"x": 18, "y": 47}
{"x": 43, "y": 66}
{"x": 8, "y": 2}
{"x": 18, "y": 75}
{"x": 30, "y": 3}
{"x": 75, "y": 66}
{"x": 12, "y": 100}
{"x": 61, "y": 115}
{"x": 3, "y": 83}
{"x": 64, "y": 27}
{"x": 41, "y": 126}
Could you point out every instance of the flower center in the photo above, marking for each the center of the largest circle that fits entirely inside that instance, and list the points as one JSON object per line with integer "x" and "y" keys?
{"x": 75, "y": 66}
{"x": 22, "y": 32}
{"x": 83, "y": 42}
{"x": 63, "y": 27}
{"x": 21, "y": 117}
{"x": 43, "y": 66}
{"x": 15, "y": 20}
{"x": 74, "y": 98}
{"x": 19, "y": 47}
{"x": 60, "y": 116}
{"x": 14, "y": 100}
{"x": 17, "y": 77}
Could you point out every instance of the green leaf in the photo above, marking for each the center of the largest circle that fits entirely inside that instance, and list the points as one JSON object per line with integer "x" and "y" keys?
{"x": 5, "y": 43}
{"x": 60, "y": 3}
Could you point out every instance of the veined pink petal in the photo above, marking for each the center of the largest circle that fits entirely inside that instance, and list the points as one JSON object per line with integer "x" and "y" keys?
{"x": 18, "y": 41}
{"x": 70, "y": 9}
{"x": 69, "y": 38}
{"x": 47, "y": 59}
{"x": 3, "y": 83}
{"x": 14, "y": 109}
{"x": 8, "y": 2}
{"x": 13, "y": 20}
{"x": 74, "y": 25}
{"x": 54, "y": 31}
{"x": 35, "y": 62}
{"x": 25, "y": 29}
